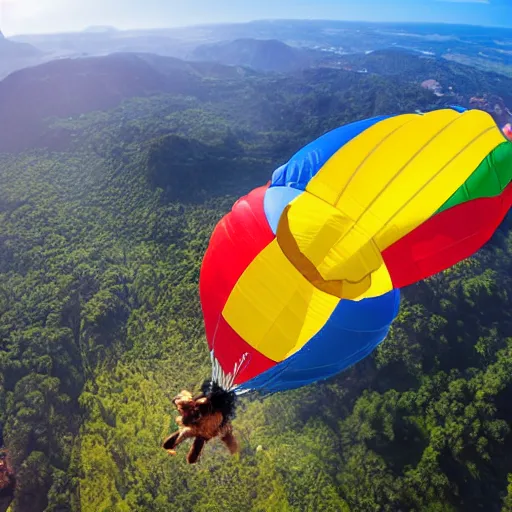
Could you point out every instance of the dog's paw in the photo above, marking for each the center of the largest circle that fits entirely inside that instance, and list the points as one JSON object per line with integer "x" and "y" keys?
{"x": 171, "y": 452}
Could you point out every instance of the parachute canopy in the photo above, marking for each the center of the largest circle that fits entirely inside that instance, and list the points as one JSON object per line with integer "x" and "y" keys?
{"x": 301, "y": 279}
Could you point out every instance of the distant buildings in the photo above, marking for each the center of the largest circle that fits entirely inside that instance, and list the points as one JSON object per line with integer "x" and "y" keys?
{"x": 434, "y": 86}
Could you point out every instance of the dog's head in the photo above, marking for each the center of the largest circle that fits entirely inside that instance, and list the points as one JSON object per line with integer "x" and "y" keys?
{"x": 187, "y": 407}
{"x": 182, "y": 397}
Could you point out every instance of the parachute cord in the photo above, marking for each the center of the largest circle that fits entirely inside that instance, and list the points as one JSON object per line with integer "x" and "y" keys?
{"x": 219, "y": 376}
{"x": 227, "y": 380}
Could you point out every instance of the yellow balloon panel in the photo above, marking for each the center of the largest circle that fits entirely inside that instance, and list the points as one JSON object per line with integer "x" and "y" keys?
{"x": 414, "y": 171}
{"x": 336, "y": 174}
{"x": 377, "y": 188}
{"x": 307, "y": 232}
{"x": 431, "y": 193}
{"x": 274, "y": 308}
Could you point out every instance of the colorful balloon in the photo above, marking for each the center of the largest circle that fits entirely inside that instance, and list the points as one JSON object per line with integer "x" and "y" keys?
{"x": 301, "y": 279}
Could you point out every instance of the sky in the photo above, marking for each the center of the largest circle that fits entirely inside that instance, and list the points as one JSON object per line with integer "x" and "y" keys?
{"x": 46, "y": 16}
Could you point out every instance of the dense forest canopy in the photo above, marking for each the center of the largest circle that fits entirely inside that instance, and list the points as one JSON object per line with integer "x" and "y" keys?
{"x": 104, "y": 218}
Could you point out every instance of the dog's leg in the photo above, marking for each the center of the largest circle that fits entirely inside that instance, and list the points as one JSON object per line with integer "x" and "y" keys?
{"x": 196, "y": 449}
{"x": 175, "y": 439}
{"x": 170, "y": 442}
{"x": 230, "y": 441}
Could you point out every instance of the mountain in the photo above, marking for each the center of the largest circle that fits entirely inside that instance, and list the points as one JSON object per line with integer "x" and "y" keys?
{"x": 16, "y": 55}
{"x": 479, "y": 46}
{"x": 66, "y": 88}
{"x": 102, "y": 41}
{"x": 100, "y": 29}
{"x": 259, "y": 54}
{"x": 483, "y": 47}
{"x": 70, "y": 87}
{"x": 11, "y": 49}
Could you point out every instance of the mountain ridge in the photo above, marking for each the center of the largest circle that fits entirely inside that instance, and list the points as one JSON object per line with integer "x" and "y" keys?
{"x": 259, "y": 54}
{"x": 74, "y": 86}
{"x": 70, "y": 87}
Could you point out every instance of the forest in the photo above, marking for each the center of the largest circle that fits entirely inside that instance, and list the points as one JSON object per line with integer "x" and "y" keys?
{"x": 103, "y": 225}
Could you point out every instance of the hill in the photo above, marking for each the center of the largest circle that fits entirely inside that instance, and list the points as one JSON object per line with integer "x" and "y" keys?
{"x": 70, "y": 87}
{"x": 16, "y": 50}
{"x": 466, "y": 44}
{"x": 16, "y": 55}
{"x": 66, "y": 88}
{"x": 259, "y": 54}
{"x": 100, "y": 29}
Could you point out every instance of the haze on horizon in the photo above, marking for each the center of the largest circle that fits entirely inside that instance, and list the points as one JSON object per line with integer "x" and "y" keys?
{"x": 48, "y": 16}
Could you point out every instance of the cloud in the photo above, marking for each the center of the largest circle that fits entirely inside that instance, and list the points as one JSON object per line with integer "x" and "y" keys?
{"x": 20, "y": 16}
{"x": 30, "y": 8}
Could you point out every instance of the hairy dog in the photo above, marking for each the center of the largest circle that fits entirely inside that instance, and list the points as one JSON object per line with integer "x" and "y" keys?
{"x": 203, "y": 418}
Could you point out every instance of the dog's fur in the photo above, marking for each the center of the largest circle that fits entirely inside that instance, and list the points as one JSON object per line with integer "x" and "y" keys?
{"x": 201, "y": 418}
